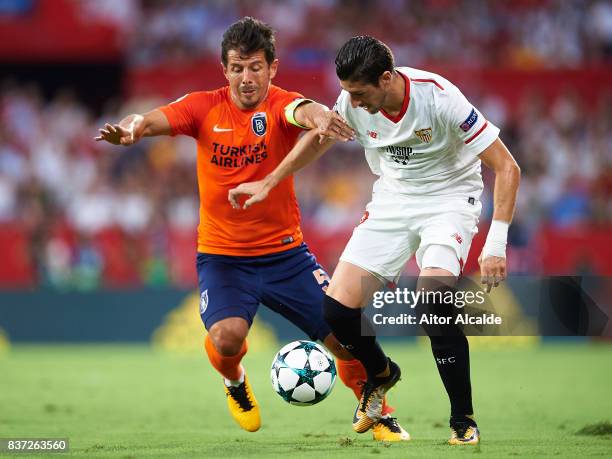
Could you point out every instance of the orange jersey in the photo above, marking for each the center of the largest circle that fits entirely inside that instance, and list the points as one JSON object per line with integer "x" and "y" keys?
{"x": 236, "y": 146}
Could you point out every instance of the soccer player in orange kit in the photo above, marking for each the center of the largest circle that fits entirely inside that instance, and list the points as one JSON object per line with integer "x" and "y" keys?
{"x": 243, "y": 131}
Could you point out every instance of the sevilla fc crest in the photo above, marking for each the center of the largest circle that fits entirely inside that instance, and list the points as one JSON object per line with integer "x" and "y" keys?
{"x": 424, "y": 135}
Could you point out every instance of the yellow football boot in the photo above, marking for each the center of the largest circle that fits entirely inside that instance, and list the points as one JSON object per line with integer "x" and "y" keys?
{"x": 464, "y": 431}
{"x": 243, "y": 406}
{"x": 369, "y": 409}
{"x": 388, "y": 429}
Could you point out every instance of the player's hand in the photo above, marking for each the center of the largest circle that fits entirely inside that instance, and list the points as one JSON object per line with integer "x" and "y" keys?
{"x": 128, "y": 132}
{"x": 256, "y": 191}
{"x": 492, "y": 270}
{"x": 331, "y": 125}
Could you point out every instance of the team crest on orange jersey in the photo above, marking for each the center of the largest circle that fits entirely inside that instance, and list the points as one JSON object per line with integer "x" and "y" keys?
{"x": 259, "y": 123}
{"x": 424, "y": 135}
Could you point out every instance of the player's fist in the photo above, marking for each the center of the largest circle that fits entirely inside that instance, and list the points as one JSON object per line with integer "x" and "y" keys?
{"x": 492, "y": 270}
{"x": 127, "y": 132}
{"x": 331, "y": 125}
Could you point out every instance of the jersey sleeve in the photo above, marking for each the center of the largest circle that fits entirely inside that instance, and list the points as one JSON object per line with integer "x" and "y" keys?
{"x": 341, "y": 105}
{"x": 290, "y": 111}
{"x": 186, "y": 113}
{"x": 342, "y": 108}
{"x": 282, "y": 100}
{"x": 464, "y": 121}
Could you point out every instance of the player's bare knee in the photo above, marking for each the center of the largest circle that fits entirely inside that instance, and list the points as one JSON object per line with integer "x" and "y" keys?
{"x": 352, "y": 286}
{"x": 228, "y": 336}
{"x": 434, "y": 278}
{"x": 432, "y": 271}
{"x": 228, "y": 344}
{"x": 345, "y": 294}
{"x": 337, "y": 293}
{"x": 439, "y": 266}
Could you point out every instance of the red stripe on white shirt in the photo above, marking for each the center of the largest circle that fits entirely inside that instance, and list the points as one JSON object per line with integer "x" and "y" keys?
{"x": 428, "y": 81}
{"x": 478, "y": 133}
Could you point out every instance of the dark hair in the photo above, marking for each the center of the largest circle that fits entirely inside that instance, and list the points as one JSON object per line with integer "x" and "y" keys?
{"x": 363, "y": 59}
{"x": 247, "y": 36}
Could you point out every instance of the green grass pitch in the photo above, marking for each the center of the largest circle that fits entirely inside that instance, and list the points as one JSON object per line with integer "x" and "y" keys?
{"x": 133, "y": 402}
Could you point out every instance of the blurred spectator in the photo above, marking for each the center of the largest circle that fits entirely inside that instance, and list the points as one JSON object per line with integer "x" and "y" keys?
{"x": 525, "y": 33}
{"x": 97, "y": 215}
{"x": 143, "y": 198}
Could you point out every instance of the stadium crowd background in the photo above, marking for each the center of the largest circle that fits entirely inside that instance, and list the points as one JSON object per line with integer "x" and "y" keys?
{"x": 80, "y": 214}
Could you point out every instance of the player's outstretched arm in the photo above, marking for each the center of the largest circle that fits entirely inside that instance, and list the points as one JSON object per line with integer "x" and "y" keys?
{"x": 492, "y": 259}
{"x": 327, "y": 123}
{"x": 306, "y": 150}
{"x": 133, "y": 127}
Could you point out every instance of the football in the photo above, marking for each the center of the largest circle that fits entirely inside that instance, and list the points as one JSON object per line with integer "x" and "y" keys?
{"x": 303, "y": 373}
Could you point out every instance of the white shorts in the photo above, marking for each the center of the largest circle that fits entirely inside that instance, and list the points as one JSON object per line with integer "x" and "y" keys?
{"x": 395, "y": 227}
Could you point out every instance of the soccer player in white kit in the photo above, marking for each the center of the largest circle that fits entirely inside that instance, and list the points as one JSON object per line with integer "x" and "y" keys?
{"x": 426, "y": 142}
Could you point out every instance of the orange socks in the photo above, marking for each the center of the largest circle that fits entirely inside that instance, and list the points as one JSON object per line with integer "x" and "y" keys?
{"x": 353, "y": 375}
{"x": 229, "y": 367}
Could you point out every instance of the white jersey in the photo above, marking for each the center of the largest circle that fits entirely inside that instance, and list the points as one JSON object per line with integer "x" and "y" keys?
{"x": 432, "y": 146}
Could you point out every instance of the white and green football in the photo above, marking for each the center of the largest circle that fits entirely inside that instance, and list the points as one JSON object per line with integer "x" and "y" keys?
{"x": 303, "y": 373}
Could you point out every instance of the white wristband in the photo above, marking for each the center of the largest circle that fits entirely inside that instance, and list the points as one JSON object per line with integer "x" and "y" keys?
{"x": 497, "y": 239}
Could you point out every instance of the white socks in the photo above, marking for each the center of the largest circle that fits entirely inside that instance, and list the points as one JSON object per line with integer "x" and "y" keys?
{"x": 236, "y": 383}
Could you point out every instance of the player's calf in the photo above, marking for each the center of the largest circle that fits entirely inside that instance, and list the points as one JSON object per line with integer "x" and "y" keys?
{"x": 356, "y": 334}
{"x": 450, "y": 350}
{"x": 241, "y": 401}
